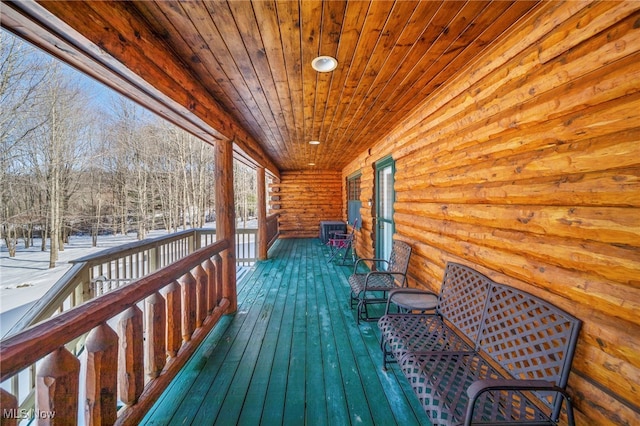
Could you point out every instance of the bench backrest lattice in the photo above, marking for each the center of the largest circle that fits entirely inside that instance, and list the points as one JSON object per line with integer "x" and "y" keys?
{"x": 463, "y": 297}
{"x": 529, "y": 337}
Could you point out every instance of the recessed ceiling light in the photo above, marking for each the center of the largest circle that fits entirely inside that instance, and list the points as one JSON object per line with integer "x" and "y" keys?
{"x": 314, "y": 142}
{"x": 312, "y": 164}
{"x": 324, "y": 64}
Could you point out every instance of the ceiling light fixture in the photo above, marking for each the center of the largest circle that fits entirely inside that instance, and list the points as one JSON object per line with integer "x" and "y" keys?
{"x": 324, "y": 64}
{"x": 314, "y": 142}
{"x": 312, "y": 164}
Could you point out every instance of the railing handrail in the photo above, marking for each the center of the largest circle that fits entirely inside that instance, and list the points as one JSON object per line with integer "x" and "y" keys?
{"x": 128, "y": 248}
{"x": 272, "y": 229}
{"x": 47, "y": 305}
{"x": 25, "y": 348}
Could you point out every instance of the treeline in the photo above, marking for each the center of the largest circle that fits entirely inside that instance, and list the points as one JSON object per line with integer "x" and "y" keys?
{"x": 73, "y": 162}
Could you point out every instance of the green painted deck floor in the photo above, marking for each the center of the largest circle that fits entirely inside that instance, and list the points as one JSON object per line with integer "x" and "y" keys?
{"x": 291, "y": 355}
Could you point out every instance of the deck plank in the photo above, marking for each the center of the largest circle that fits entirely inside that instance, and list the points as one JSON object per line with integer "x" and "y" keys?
{"x": 292, "y": 354}
{"x": 316, "y": 407}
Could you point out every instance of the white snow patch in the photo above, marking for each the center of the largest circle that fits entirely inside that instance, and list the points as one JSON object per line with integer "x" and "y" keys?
{"x": 26, "y": 277}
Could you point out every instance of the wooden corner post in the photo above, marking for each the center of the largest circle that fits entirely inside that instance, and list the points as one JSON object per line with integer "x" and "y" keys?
{"x": 225, "y": 218}
{"x": 262, "y": 214}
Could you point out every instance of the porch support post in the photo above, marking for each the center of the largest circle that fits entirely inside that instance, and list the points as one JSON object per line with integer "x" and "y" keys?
{"x": 225, "y": 218}
{"x": 262, "y": 214}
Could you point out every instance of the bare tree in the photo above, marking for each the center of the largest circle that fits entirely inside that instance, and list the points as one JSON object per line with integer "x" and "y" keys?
{"x": 200, "y": 162}
{"x": 21, "y": 75}
{"x": 140, "y": 168}
{"x": 245, "y": 191}
{"x": 183, "y": 177}
{"x": 167, "y": 179}
{"x": 130, "y": 139}
{"x": 55, "y": 149}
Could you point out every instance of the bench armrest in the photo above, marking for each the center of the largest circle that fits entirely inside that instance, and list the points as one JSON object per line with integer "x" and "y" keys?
{"x": 487, "y": 385}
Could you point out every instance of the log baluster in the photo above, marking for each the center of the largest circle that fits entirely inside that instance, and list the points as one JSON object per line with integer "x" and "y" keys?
{"x": 217, "y": 262}
{"x": 202, "y": 279}
{"x": 173, "y": 303}
{"x": 9, "y": 405}
{"x": 210, "y": 269}
{"x": 156, "y": 348}
{"x": 57, "y": 384}
{"x": 57, "y": 381}
{"x": 101, "y": 376}
{"x": 188, "y": 286}
{"x": 130, "y": 359}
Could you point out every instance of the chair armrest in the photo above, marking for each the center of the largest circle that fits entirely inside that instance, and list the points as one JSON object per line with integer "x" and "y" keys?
{"x": 400, "y": 291}
{"x": 355, "y": 267}
{"x": 487, "y": 385}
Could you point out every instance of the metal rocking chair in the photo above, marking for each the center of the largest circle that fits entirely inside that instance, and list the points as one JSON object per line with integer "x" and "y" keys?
{"x": 373, "y": 287}
{"x": 341, "y": 244}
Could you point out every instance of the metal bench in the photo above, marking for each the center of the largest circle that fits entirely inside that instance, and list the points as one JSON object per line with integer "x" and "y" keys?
{"x": 488, "y": 353}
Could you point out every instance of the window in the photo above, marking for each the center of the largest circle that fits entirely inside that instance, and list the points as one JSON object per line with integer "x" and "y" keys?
{"x": 353, "y": 188}
{"x": 353, "y": 199}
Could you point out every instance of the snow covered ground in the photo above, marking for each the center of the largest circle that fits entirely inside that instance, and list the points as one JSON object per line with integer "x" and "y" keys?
{"x": 27, "y": 277}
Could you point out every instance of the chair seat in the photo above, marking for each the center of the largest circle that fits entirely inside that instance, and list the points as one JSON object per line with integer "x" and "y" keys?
{"x": 375, "y": 283}
{"x": 402, "y": 333}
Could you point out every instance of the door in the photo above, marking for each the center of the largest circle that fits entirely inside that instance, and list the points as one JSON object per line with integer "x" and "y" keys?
{"x": 385, "y": 196}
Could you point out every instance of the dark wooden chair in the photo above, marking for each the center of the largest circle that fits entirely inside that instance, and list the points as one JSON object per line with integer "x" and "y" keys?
{"x": 372, "y": 287}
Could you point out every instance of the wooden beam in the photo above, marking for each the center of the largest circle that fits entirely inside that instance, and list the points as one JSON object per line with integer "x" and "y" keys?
{"x": 226, "y": 218}
{"x": 262, "y": 214}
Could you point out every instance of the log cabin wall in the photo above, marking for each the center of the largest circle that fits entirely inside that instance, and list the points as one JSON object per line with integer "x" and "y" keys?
{"x": 526, "y": 166}
{"x": 303, "y": 199}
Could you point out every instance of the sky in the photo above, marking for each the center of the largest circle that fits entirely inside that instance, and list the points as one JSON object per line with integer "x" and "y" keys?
{"x": 101, "y": 96}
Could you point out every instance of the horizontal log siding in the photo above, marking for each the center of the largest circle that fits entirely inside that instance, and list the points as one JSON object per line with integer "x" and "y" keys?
{"x": 303, "y": 199}
{"x": 528, "y": 164}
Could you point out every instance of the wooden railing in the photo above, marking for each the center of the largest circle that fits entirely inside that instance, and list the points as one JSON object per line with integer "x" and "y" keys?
{"x": 101, "y": 273}
{"x": 272, "y": 229}
{"x": 246, "y": 239}
{"x": 160, "y": 321}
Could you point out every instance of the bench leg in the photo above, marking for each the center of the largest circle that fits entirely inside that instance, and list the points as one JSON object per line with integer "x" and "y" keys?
{"x": 362, "y": 313}
{"x": 354, "y": 300}
{"x": 570, "y": 418}
{"x": 386, "y": 355}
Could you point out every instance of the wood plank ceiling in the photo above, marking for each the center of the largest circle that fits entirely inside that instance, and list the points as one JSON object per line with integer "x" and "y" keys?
{"x": 253, "y": 60}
